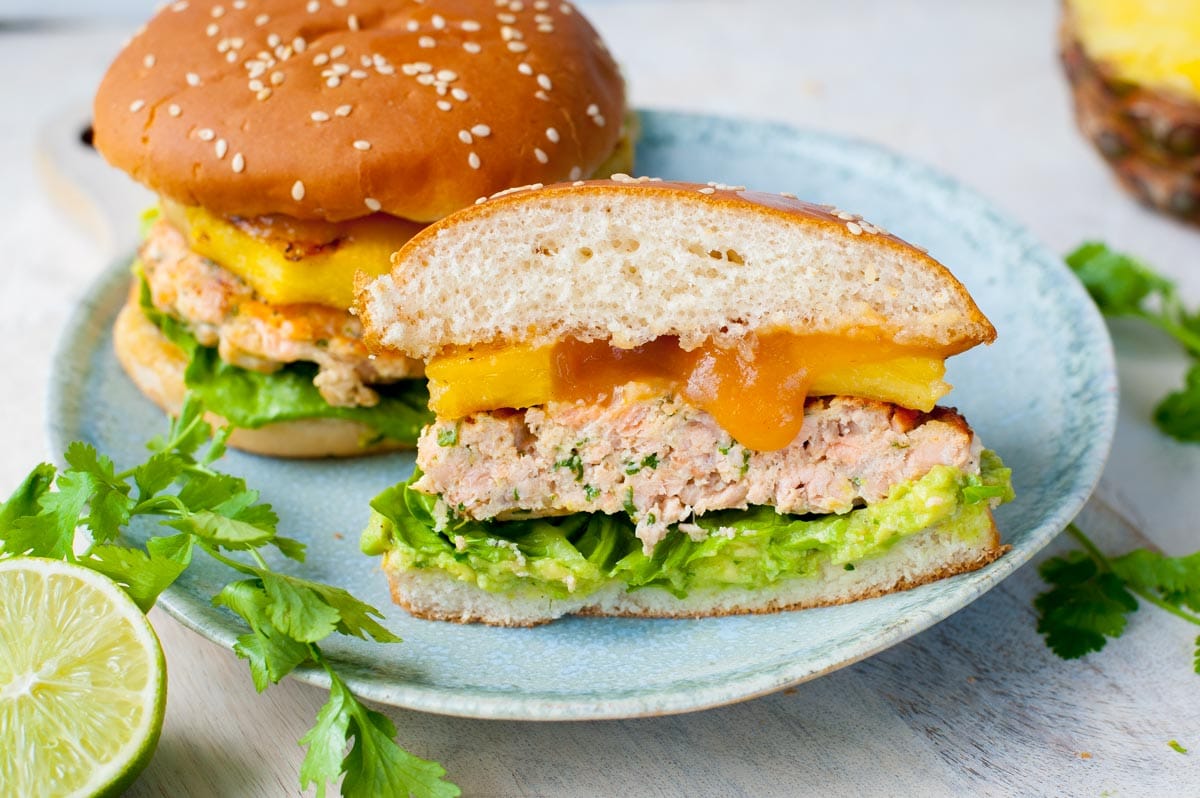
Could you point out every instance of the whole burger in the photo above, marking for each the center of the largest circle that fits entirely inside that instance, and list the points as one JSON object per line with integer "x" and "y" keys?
{"x": 294, "y": 144}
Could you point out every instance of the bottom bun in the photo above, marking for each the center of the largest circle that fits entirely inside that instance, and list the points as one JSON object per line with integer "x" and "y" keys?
{"x": 156, "y": 366}
{"x": 913, "y": 561}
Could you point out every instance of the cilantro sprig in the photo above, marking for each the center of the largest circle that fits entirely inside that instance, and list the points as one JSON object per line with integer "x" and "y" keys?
{"x": 1092, "y": 595}
{"x": 219, "y": 516}
{"x": 1121, "y": 285}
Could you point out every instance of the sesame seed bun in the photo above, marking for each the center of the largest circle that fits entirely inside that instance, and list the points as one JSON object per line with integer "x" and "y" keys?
{"x": 329, "y": 109}
{"x": 157, "y": 366}
{"x": 630, "y": 260}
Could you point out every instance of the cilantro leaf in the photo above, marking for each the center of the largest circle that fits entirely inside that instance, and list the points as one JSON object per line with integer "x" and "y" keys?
{"x": 228, "y": 533}
{"x": 270, "y": 652}
{"x": 292, "y": 549}
{"x": 326, "y": 742}
{"x": 109, "y": 510}
{"x": 297, "y": 609}
{"x": 51, "y": 533}
{"x": 1176, "y": 579}
{"x": 1084, "y": 607}
{"x": 157, "y": 474}
{"x": 376, "y": 765}
{"x": 1178, "y": 414}
{"x": 144, "y": 576}
{"x": 24, "y": 502}
{"x": 1118, "y": 283}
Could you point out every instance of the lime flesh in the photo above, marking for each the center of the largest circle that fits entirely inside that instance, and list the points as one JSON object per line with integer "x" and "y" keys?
{"x": 82, "y": 682}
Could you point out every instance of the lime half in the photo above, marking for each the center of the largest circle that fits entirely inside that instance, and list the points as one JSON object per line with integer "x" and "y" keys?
{"x": 83, "y": 683}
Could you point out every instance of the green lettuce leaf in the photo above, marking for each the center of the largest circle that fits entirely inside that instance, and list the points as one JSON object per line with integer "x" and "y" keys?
{"x": 250, "y": 399}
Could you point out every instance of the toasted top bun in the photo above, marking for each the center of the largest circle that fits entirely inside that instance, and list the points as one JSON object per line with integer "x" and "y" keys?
{"x": 333, "y": 109}
{"x": 630, "y": 260}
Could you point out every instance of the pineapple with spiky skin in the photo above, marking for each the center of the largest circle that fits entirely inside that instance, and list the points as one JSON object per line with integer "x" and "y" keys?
{"x": 1134, "y": 68}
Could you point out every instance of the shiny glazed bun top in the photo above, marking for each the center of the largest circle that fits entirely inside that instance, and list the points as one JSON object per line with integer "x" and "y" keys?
{"x": 335, "y": 109}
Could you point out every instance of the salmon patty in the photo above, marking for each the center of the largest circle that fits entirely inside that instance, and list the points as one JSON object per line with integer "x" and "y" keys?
{"x": 221, "y": 310}
{"x": 663, "y": 461}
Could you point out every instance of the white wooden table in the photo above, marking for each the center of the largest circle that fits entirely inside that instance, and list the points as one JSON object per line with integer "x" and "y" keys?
{"x": 975, "y": 705}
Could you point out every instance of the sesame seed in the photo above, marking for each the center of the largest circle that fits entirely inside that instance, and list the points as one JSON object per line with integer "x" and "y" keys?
{"x": 277, "y": 78}
{"x": 193, "y": 79}
{"x": 443, "y": 105}
{"x": 366, "y": 60}
{"x": 464, "y": 136}
{"x": 705, "y": 190}
{"x": 352, "y": 22}
{"x": 472, "y": 47}
{"x": 447, "y": 75}
{"x": 524, "y": 68}
{"x": 205, "y": 134}
{"x": 385, "y": 69}
{"x": 221, "y": 147}
{"x": 148, "y": 61}
{"x": 174, "y": 110}
{"x": 137, "y": 105}
{"x": 470, "y": 25}
{"x": 483, "y": 131}
{"x": 577, "y": 183}
{"x": 541, "y": 155}
{"x": 320, "y": 59}
{"x": 426, "y": 42}
{"x": 854, "y": 228}
{"x": 213, "y": 29}
{"x": 358, "y": 74}
{"x": 516, "y": 5}
{"x": 552, "y": 135}
{"x": 262, "y": 19}
{"x": 230, "y": 56}
{"x": 218, "y": 12}
{"x": 438, "y": 21}
{"x": 319, "y": 116}
{"x": 517, "y": 47}
{"x": 180, "y": 6}
{"x": 473, "y": 161}
{"x": 541, "y": 95}
{"x": 333, "y": 81}
{"x": 299, "y": 44}
{"x": 263, "y": 94}
{"x": 507, "y": 19}
{"x": 338, "y": 51}
{"x": 255, "y": 85}
{"x": 426, "y": 79}
{"x": 297, "y": 191}
{"x": 362, "y": 145}
{"x": 599, "y": 120}
{"x": 372, "y": 204}
{"x": 542, "y": 18}
{"x": 343, "y": 110}
{"x": 575, "y": 173}
{"x": 565, "y": 9}
{"x": 788, "y": 194}
{"x": 593, "y": 109}
{"x": 273, "y": 40}
{"x": 313, "y": 6}
{"x": 541, "y": 5}
{"x": 545, "y": 27}
{"x": 508, "y": 34}
{"x": 460, "y": 95}
{"x": 238, "y": 164}
{"x": 412, "y": 25}
{"x": 239, "y": 5}
{"x": 409, "y": 69}
{"x": 423, "y": 66}
{"x": 340, "y": 3}
{"x": 544, "y": 82}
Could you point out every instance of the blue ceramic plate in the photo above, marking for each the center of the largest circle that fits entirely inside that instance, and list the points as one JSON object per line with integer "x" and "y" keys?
{"x": 1044, "y": 396}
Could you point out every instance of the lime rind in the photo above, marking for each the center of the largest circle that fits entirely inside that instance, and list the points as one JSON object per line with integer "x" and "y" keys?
{"x": 82, "y": 681}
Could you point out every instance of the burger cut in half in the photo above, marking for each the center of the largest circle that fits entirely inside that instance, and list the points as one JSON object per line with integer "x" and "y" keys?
{"x": 668, "y": 399}
{"x": 293, "y": 144}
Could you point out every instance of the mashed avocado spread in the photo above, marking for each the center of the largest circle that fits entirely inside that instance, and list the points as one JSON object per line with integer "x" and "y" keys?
{"x": 575, "y": 555}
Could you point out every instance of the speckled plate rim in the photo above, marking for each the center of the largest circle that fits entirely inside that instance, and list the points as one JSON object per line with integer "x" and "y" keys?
{"x": 105, "y": 296}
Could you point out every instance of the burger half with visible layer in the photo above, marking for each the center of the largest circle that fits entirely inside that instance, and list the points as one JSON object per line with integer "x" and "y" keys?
{"x": 668, "y": 399}
{"x": 294, "y": 144}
